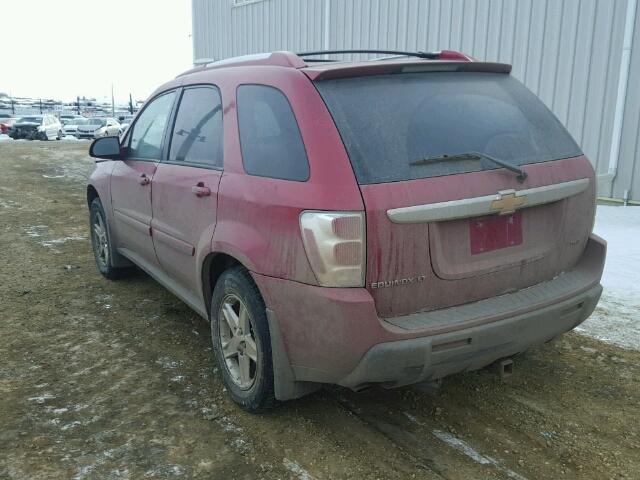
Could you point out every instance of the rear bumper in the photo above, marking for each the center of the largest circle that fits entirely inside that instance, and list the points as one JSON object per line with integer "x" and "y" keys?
{"x": 425, "y": 358}
{"x": 334, "y": 335}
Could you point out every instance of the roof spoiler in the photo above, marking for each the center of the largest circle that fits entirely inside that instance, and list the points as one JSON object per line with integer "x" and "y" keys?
{"x": 440, "y": 55}
{"x": 444, "y": 60}
{"x": 361, "y": 69}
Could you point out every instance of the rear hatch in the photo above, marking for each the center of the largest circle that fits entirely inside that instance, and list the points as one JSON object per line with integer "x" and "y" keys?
{"x": 446, "y": 225}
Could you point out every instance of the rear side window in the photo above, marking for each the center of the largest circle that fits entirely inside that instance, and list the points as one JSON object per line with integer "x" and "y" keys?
{"x": 269, "y": 135}
{"x": 197, "y": 133}
{"x": 148, "y": 131}
{"x": 389, "y": 121}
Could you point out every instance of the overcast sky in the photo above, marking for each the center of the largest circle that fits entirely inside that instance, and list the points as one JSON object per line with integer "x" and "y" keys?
{"x": 60, "y": 49}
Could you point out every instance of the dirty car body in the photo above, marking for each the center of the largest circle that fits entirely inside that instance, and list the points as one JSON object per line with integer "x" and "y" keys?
{"x": 371, "y": 206}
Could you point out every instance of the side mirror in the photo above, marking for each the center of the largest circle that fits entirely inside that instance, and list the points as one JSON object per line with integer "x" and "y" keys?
{"x": 105, "y": 147}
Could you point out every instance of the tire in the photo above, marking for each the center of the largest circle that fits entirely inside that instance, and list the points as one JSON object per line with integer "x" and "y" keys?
{"x": 103, "y": 251}
{"x": 252, "y": 390}
{"x": 44, "y": 137}
{"x": 59, "y": 135}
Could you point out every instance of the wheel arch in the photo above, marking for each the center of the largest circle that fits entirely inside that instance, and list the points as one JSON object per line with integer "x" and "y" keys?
{"x": 213, "y": 266}
{"x": 92, "y": 194}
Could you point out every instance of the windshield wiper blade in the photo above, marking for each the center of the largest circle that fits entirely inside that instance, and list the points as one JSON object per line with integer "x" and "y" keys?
{"x": 522, "y": 175}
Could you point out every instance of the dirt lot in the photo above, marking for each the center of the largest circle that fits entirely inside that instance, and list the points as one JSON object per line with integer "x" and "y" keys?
{"x": 102, "y": 379}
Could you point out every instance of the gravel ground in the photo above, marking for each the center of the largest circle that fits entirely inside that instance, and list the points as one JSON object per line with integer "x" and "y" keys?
{"x": 110, "y": 380}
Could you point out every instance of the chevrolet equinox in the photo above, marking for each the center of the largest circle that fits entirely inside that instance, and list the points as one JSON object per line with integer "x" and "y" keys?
{"x": 385, "y": 222}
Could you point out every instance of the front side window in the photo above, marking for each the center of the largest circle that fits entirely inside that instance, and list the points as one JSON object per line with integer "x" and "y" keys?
{"x": 269, "y": 135}
{"x": 197, "y": 133}
{"x": 148, "y": 132}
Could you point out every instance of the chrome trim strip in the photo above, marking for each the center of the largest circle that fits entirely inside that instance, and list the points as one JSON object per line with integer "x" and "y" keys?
{"x": 479, "y": 206}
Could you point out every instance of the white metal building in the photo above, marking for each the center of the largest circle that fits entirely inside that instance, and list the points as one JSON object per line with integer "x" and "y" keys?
{"x": 581, "y": 57}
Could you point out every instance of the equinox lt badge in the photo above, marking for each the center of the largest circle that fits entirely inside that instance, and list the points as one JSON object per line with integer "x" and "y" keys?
{"x": 398, "y": 282}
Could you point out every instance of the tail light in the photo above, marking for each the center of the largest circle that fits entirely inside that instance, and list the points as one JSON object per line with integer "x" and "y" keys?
{"x": 335, "y": 246}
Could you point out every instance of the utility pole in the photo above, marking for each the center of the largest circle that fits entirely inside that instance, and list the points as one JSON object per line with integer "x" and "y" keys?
{"x": 78, "y": 104}
{"x": 113, "y": 107}
{"x": 130, "y": 105}
{"x": 13, "y": 108}
{"x": 40, "y": 105}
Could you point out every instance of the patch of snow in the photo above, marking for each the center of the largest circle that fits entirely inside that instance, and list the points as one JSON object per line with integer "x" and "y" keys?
{"x": 70, "y": 138}
{"x": 461, "y": 446}
{"x": 5, "y": 138}
{"x": 168, "y": 363}
{"x": 165, "y": 471}
{"x": 466, "y": 449}
{"x": 35, "y": 230}
{"x": 69, "y": 426}
{"x": 616, "y": 319}
{"x": 60, "y": 241}
{"x": 296, "y": 469}
{"x": 41, "y": 398}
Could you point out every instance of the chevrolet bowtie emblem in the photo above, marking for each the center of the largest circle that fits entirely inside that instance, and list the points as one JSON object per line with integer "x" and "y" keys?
{"x": 508, "y": 202}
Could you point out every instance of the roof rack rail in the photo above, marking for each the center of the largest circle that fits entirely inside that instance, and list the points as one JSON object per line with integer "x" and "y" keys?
{"x": 441, "y": 55}
{"x": 427, "y": 55}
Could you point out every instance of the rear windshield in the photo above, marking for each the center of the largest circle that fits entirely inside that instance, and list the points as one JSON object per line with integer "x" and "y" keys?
{"x": 389, "y": 121}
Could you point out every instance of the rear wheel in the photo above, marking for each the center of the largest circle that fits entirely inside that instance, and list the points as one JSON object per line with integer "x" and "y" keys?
{"x": 103, "y": 251}
{"x": 241, "y": 340}
{"x": 59, "y": 135}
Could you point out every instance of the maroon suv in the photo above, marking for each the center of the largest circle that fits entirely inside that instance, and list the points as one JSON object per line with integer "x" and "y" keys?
{"x": 382, "y": 222}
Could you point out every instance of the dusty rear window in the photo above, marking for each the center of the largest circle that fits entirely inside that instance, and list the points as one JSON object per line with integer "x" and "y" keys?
{"x": 388, "y": 122}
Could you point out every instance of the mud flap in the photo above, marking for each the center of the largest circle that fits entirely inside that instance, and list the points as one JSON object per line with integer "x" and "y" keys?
{"x": 284, "y": 383}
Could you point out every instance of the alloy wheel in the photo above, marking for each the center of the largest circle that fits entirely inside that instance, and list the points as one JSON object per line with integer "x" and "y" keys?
{"x": 238, "y": 341}
{"x": 101, "y": 243}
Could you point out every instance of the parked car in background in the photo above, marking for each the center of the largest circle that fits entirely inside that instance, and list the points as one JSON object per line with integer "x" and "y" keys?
{"x": 71, "y": 126}
{"x": 99, "y": 127}
{"x": 36, "y": 127}
{"x": 6, "y": 124}
{"x": 439, "y": 221}
{"x": 125, "y": 121}
{"x": 65, "y": 119}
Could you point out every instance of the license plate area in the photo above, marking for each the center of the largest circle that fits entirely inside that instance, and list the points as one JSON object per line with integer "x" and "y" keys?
{"x": 487, "y": 234}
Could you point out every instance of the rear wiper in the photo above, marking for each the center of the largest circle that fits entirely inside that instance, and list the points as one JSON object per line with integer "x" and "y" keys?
{"x": 522, "y": 175}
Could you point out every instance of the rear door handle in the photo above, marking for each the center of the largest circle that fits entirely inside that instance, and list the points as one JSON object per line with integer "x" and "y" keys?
{"x": 144, "y": 180}
{"x": 200, "y": 190}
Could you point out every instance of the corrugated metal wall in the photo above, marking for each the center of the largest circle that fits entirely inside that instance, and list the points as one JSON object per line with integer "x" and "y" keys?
{"x": 568, "y": 52}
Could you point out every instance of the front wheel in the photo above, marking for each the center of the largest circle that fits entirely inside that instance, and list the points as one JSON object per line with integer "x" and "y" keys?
{"x": 241, "y": 340}
{"x": 59, "y": 135}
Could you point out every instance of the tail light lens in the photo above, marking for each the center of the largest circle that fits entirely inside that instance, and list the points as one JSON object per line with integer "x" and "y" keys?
{"x": 335, "y": 246}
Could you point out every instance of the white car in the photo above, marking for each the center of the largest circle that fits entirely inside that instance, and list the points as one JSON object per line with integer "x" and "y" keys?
{"x": 71, "y": 126}
{"x": 37, "y": 127}
{"x": 125, "y": 121}
{"x": 99, "y": 127}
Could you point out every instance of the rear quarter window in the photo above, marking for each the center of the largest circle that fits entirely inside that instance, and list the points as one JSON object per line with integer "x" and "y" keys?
{"x": 269, "y": 135}
{"x": 389, "y": 121}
